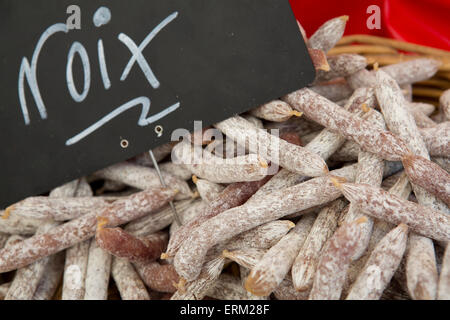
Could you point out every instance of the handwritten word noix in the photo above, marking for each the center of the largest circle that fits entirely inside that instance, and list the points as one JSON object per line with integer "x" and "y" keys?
{"x": 101, "y": 17}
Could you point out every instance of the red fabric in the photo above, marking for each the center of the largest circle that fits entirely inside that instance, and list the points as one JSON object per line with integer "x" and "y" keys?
{"x": 425, "y": 22}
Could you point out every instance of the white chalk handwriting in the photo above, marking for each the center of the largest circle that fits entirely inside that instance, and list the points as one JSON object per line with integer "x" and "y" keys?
{"x": 102, "y": 16}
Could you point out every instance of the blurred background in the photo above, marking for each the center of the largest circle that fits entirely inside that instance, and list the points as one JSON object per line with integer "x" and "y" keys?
{"x": 423, "y": 22}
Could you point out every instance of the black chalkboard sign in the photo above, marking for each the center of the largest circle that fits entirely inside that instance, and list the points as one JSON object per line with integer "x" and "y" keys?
{"x": 79, "y": 77}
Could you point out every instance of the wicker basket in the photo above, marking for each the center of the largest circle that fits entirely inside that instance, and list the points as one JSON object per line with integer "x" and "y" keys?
{"x": 386, "y": 51}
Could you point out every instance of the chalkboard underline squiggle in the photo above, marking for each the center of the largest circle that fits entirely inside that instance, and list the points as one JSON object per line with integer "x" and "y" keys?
{"x": 143, "y": 120}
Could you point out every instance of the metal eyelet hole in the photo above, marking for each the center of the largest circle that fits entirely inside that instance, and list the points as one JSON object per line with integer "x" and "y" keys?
{"x": 124, "y": 143}
{"x": 159, "y": 130}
